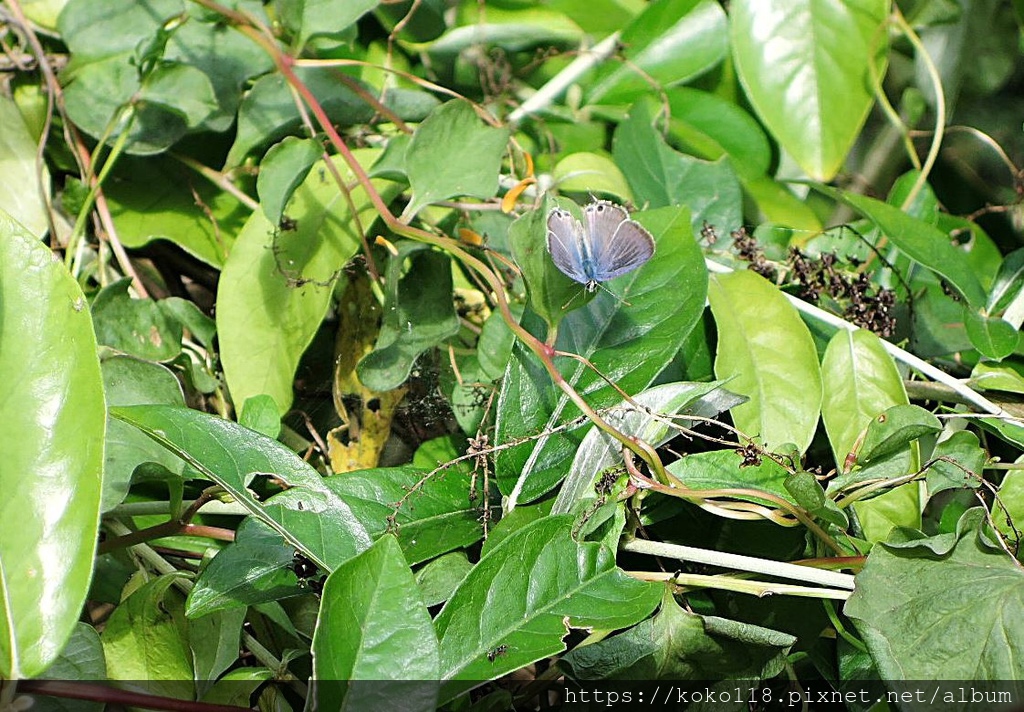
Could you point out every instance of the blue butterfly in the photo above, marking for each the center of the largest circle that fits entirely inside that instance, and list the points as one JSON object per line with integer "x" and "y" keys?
{"x": 607, "y": 244}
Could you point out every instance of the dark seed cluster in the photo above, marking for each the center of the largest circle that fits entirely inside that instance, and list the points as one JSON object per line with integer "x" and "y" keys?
{"x": 868, "y": 306}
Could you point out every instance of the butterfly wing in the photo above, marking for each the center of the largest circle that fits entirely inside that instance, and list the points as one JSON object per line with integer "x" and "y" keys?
{"x": 619, "y": 245}
{"x": 565, "y": 243}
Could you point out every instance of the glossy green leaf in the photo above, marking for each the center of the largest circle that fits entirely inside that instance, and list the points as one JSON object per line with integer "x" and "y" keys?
{"x": 156, "y": 199}
{"x": 435, "y": 517}
{"x": 599, "y": 450}
{"x": 712, "y": 127}
{"x": 1008, "y": 513}
{"x": 893, "y": 430}
{"x": 952, "y": 614}
{"x": 668, "y": 43}
{"x": 145, "y": 642}
{"x": 659, "y": 175}
{"x": 135, "y": 326}
{"x": 806, "y": 67}
{"x": 859, "y": 381}
{"x": 494, "y": 346}
{"x": 964, "y": 449}
{"x": 52, "y": 452}
{"x": 308, "y": 514}
{"x": 129, "y": 381}
{"x": 629, "y": 335}
{"x": 21, "y": 186}
{"x": 512, "y": 29}
{"x": 282, "y": 170}
{"x": 236, "y": 686}
{"x": 591, "y": 173}
{"x": 676, "y": 644}
{"x": 769, "y": 354}
{"x": 552, "y": 294}
{"x": 525, "y": 594}
{"x": 439, "y": 578}
{"x": 418, "y": 315}
{"x": 992, "y": 336}
{"x": 374, "y": 625}
{"x": 255, "y": 568}
{"x": 922, "y": 243}
{"x": 277, "y": 285}
{"x": 453, "y": 153}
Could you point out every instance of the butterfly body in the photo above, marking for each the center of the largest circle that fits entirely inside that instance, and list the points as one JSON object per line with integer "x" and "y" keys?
{"x": 605, "y": 245}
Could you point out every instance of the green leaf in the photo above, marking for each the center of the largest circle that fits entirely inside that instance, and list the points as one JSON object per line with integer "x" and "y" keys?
{"x": 145, "y": 641}
{"x": 156, "y": 199}
{"x": 992, "y": 336}
{"x": 1008, "y": 283}
{"x": 511, "y": 29}
{"x": 418, "y": 315}
{"x": 453, "y": 153}
{"x": 1005, "y": 376}
{"x": 282, "y": 170}
{"x": 963, "y": 447}
{"x": 1008, "y": 513}
{"x": 599, "y": 450}
{"x": 268, "y": 112}
{"x": 956, "y": 615}
{"x": 629, "y": 335}
{"x": 659, "y": 175}
{"x": 308, "y": 514}
{"x": 188, "y": 314}
{"x": 81, "y": 659}
{"x": 668, "y": 43}
{"x": 21, "y": 186}
{"x": 893, "y": 430}
{"x": 374, "y": 625}
{"x": 712, "y": 127}
{"x": 804, "y": 487}
{"x": 255, "y": 568}
{"x": 899, "y": 507}
{"x": 94, "y": 29}
{"x": 52, "y": 452}
{"x": 129, "y": 381}
{"x": 676, "y": 644}
{"x": 552, "y": 294}
{"x": 181, "y": 89}
{"x": 859, "y": 381}
{"x": 215, "y": 640}
{"x": 260, "y": 413}
{"x": 805, "y": 65}
{"x": 439, "y": 578}
{"x": 591, "y": 173}
{"x": 525, "y": 594}
{"x": 494, "y": 347}
{"x": 769, "y": 354}
{"x": 277, "y": 285}
{"x": 431, "y": 516}
{"x": 725, "y": 469}
{"x": 135, "y": 326}
{"x": 921, "y": 242}
{"x": 324, "y": 17}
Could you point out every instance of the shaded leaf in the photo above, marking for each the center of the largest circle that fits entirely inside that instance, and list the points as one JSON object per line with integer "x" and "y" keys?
{"x": 21, "y": 187}
{"x": 135, "y": 326}
{"x": 282, "y": 170}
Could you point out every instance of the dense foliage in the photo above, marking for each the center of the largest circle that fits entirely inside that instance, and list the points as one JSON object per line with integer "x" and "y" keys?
{"x": 295, "y": 392}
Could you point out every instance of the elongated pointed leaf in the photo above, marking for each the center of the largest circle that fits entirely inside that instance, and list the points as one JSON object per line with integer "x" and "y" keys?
{"x": 629, "y": 335}
{"x": 277, "y": 284}
{"x": 52, "y": 464}
{"x": 517, "y": 604}
{"x": 859, "y": 381}
{"x": 768, "y": 352}
{"x": 374, "y": 626}
{"x": 309, "y": 515}
{"x": 805, "y": 64}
